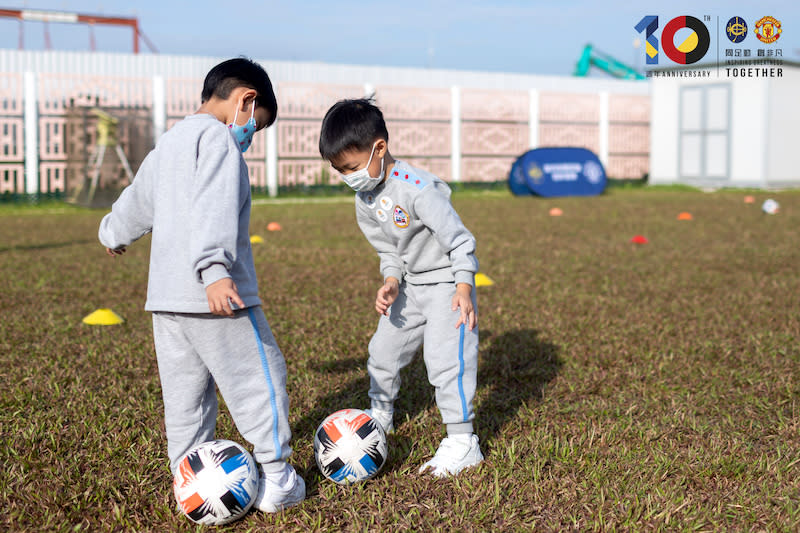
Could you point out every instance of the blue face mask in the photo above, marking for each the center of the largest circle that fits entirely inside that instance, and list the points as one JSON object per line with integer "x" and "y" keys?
{"x": 244, "y": 134}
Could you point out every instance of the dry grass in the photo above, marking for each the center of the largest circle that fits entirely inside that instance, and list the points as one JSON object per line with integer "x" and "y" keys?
{"x": 625, "y": 387}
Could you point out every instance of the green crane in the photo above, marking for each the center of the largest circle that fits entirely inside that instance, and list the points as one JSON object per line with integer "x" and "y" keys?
{"x": 591, "y": 57}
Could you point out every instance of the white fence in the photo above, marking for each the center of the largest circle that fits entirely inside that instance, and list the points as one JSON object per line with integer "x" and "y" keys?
{"x": 464, "y": 126}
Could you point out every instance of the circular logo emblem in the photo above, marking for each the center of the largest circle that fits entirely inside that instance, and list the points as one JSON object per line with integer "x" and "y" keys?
{"x": 768, "y": 29}
{"x": 693, "y": 47}
{"x": 381, "y": 215}
{"x": 535, "y": 173}
{"x": 369, "y": 199}
{"x": 401, "y": 219}
{"x": 736, "y": 29}
{"x": 386, "y": 202}
{"x": 592, "y": 171}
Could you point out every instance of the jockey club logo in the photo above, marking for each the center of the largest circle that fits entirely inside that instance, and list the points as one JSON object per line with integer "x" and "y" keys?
{"x": 768, "y": 29}
{"x": 736, "y": 30}
{"x": 535, "y": 173}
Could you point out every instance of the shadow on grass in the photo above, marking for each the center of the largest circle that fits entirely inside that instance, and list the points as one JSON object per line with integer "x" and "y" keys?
{"x": 514, "y": 371}
{"x": 45, "y": 245}
{"x": 350, "y": 394}
{"x": 515, "y": 368}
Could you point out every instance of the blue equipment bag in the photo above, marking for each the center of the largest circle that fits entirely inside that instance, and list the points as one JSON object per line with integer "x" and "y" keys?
{"x": 562, "y": 171}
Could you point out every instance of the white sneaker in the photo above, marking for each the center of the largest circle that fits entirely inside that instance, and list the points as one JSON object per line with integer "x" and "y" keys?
{"x": 384, "y": 418}
{"x": 274, "y": 497}
{"x": 454, "y": 455}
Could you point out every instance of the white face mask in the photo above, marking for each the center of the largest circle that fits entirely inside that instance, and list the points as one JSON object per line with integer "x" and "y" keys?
{"x": 360, "y": 180}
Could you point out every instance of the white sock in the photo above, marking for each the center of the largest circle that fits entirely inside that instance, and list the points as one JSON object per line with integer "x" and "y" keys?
{"x": 280, "y": 478}
{"x": 462, "y": 438}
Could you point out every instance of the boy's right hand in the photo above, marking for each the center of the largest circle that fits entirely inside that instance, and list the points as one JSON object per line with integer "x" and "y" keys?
{"x": 387, "y": 295}
{"x": 116, "y": 252}
{"x": 220, "y": 294}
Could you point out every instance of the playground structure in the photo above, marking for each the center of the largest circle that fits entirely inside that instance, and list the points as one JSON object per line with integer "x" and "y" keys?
{"x": 106, "y": 138}
{"x": 63, "y": 17}
{"x": 104, "y": 145}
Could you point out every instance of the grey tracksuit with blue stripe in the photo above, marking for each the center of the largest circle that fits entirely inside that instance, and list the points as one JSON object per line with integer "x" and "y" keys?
{"x": 192, "y": 193}
{"x": 422, "y": 242}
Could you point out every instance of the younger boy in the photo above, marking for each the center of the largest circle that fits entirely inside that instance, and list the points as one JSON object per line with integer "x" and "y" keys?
{"x": 427, "y": 259}
{"x": 192, "y": 193}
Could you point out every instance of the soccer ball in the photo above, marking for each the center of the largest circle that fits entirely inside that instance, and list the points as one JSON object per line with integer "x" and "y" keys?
{"x": 216, "y": 482}
{"x": 770, "y": 206}
{"x": 350, "y": 446}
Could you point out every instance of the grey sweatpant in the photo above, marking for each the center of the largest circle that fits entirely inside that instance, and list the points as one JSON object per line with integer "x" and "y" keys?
{"x": 422, "y": 314}
{"x": 238, "y": 354}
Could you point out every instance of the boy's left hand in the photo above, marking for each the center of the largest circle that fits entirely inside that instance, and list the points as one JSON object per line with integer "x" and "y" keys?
{"x": 221, "y": 294}
{"x": 463, "y": 300}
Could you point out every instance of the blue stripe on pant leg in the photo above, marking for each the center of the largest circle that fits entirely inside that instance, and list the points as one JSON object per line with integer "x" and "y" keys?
{"x": 461, "y": 373}
{"x": 268, "y": 375}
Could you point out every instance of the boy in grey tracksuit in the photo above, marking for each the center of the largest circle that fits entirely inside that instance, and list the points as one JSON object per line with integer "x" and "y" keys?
{"x": 192, "y": 193}
{"x": 427, "y": 259}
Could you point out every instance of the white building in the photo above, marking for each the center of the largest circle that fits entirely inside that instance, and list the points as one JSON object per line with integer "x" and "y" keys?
{"x": 736, "y": 127}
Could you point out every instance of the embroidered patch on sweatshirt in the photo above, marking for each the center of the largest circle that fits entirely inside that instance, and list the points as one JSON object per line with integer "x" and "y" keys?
{"x": 401, "y": 218}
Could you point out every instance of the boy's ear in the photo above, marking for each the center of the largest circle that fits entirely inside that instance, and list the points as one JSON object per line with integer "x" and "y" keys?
{"x": 249, "y": 99}
{"x": 381, "y": 147}
{"x": 246, "y": 96}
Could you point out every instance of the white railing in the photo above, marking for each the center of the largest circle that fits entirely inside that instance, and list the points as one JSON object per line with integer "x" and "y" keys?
{"x": 464, "y": 126}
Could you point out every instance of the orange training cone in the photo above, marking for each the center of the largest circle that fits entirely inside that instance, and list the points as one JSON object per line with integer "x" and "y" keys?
{"x": 274, "y": 226}
{"x": 556, "y": 212}
{"x": 685, "y": 216}
{"x": 639, "y": 239}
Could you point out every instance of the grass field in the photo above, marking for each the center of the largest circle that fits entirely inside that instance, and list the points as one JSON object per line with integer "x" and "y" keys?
{"x": 621, "y": 386}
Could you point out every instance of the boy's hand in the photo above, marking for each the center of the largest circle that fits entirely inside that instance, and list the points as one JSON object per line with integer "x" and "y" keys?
{"x": 114, "y": 253}
{"x": 220, "y": 295}
{"x": 463, "y": 300}
{"x": 387, "y": 295}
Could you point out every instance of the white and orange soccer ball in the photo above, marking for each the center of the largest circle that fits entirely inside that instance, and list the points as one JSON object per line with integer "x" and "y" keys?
{"x": 216, "y": 482}
{"x": 350, "y": 446}
{"x": 770, "y": 206}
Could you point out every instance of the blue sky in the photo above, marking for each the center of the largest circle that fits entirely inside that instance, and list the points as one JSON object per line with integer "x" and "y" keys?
{"x": 500, "y": 35}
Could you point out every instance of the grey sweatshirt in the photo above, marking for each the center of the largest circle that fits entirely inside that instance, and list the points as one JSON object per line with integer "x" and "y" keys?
{"x": 411, "y": 223}
{"x": 193, "y": 193}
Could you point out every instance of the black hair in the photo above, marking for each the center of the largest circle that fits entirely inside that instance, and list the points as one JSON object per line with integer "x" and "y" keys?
{"x": 241, "y": 72}
{"x": 349, "y": 125}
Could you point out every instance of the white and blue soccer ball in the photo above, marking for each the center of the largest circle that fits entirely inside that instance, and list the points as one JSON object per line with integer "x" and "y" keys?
{"x": 770, "y": 206}
{"x": 350, "y": 446}
{"x": 216, "y": 482}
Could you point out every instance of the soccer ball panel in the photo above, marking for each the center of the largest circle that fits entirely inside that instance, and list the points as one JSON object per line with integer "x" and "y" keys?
{"x": 350, "y": 446}
{"x": 216, "y": 482}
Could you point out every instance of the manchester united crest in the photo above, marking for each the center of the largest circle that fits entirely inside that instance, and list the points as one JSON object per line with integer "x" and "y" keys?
{"x": 768, "y": 29}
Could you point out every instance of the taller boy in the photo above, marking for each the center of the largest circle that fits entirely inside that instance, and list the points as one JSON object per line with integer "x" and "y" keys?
{"x": 427, "y": 259}
{"x": 193, "y": 193}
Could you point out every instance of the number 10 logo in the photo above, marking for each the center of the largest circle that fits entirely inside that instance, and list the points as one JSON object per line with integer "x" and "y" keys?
{"x": 691, "y": 50}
